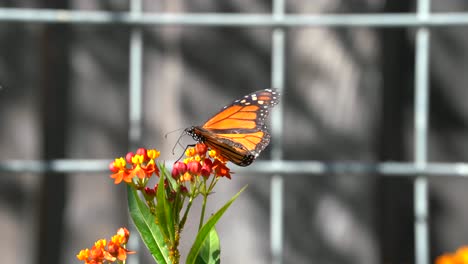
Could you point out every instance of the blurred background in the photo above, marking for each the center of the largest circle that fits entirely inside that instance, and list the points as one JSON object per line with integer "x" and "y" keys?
{"x": 348, "y": 96}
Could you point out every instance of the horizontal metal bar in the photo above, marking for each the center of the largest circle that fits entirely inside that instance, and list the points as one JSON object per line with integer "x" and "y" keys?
{"x": 214, "y": 19}
{"x": 57, "y": 165}
{"x": 261, "y": 167}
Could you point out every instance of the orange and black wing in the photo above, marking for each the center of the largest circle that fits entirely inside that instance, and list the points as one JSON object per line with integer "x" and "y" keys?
{"x": 239, "y": 129}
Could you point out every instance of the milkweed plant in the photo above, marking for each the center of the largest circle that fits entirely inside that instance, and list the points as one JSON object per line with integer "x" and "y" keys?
{"x": 160, "y": 212}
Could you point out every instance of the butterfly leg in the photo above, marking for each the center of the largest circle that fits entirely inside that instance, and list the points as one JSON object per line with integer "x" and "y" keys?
{"x": 185, "y": 149}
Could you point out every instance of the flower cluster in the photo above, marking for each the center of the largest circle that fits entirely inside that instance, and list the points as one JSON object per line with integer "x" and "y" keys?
{"x": 140, "y": 165}
{"x": 459, "y": 257}
{"x": 190, "y": 175}
{"x": 199, "y": 163}
{"x": 167, "y": 203}
{"x": 107, "y": 252}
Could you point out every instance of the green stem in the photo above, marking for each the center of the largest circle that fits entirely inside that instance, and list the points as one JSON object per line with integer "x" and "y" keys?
{"x": 175, "y": 208}
{"x": 212, "y": 184}
{"x": 181, "y": 205}
{"x": 205, "y": 196}
{"x": 182, "y": 223}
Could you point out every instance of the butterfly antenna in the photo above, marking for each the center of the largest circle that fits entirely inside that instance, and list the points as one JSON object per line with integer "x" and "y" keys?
{"x": 170, "y": 132}
{"x": 182, "y": 146}
{"x": 178, "y": 141}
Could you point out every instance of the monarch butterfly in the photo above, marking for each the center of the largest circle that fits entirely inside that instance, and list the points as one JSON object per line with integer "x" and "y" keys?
{"x": 238, "y": 131}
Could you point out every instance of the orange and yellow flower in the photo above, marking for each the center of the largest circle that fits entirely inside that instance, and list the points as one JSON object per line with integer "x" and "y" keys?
{"x": 221, "y": 170}
{"x": 119, "y": 167}
{"x": 115, "y": 249}
{"x": 140, "y": 165}
{"x": 459, "y": 257}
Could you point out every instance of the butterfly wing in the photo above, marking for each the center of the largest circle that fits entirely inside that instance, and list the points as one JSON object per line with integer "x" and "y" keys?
{"x": 239, "y": 129}
{"x": 229, "y": 149}
{"x": 248, "y": 112}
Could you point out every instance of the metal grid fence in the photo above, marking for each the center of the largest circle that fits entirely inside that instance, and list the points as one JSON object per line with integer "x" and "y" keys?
{"x": 420, "y": 168}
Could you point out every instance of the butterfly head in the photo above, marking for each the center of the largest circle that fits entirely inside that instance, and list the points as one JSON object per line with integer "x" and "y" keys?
{"x": 189, "y": 130}
{"x": 192, "y": 131}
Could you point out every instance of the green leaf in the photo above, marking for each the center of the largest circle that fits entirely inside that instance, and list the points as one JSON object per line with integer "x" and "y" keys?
{"x": 164, "y": 211}
{"x": 145, "y": 223}
{"x": 204, "y": 232}
{"x": 174, "y": 185}
{"x": 210, "y": 251}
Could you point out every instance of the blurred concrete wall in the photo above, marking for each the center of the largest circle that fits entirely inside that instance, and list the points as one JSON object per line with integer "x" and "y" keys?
{"x": 333, "y": 103}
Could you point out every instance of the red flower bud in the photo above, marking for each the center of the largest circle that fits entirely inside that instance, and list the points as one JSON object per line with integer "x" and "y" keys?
{"x": 178, "y": 169}
{"x": 150, "y": 191}
{"x": 143, "y": 152}
{"x": 129, "y": 157}
{"x": 201, "y": 149}
{"x": 113, "y": 168}
{"x": 205, "y": 170}
{"x": 157, "y": 184}
{"x": 194, "y": 167}
{"x": 112, "y": 248}
{"x": 208, "y": 162}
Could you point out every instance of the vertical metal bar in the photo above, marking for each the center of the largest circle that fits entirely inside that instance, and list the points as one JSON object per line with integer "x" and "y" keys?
{"x": 421, "y": 132}
{"x": 136, "y": 98}
{"x": 276, "y": 225}
{"x": 136, "y": 54}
